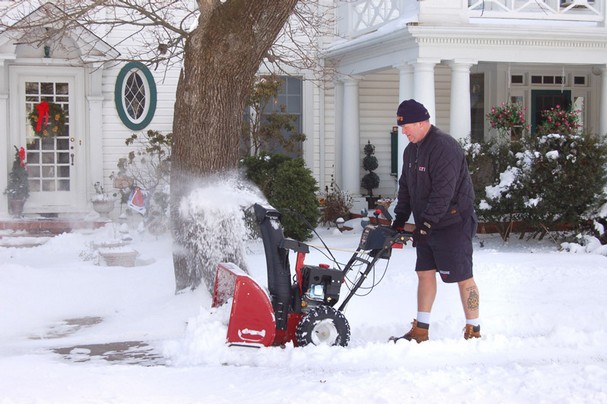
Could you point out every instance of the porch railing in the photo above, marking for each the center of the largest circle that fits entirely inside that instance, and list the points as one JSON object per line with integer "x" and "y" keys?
{"x": 566, "y": 10}
{"x": 362, "y": 16}
{"x": 358, "y": 17}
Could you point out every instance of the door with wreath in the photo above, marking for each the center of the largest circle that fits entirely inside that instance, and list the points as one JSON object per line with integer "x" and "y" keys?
{"x": 52, "y": 141}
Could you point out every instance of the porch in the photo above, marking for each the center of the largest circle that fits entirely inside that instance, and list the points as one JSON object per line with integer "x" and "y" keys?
{"x": 459, "y": 58}
{"x": 40, "y": 227}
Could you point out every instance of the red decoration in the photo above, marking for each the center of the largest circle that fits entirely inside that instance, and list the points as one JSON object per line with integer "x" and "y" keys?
{"x": 22, "y": 156}
{"x": 43, "y": 110}
{"x": 48, "y": 119}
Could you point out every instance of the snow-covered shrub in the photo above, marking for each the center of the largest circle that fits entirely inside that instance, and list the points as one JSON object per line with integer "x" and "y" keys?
{"x": 545, "y": 182}
{"x": 494, "y": 176}
{"x": 565, "y": 180}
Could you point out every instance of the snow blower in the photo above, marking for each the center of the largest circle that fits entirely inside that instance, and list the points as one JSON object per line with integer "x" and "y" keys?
{"x": 302, "y": 308}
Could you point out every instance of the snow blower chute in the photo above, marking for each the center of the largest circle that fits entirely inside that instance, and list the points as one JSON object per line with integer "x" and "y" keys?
{"x": 300, "y": 308}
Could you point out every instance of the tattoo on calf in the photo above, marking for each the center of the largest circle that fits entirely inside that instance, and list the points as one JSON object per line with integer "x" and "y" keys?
{"x": 473, "y": 299}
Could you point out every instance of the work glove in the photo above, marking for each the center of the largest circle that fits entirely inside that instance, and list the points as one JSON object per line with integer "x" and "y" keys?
{"x": 421, "y": 233}
{"x": 398, "y": 224}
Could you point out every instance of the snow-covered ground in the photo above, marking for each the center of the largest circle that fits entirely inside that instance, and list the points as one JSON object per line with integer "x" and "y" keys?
{"x": 543, "y": 316}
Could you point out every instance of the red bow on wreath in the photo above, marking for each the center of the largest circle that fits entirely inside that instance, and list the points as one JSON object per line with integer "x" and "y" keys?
{"x": 43, "y": 109}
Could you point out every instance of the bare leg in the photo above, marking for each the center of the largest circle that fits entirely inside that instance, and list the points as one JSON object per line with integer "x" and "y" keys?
{"x": 470, "y": 298}
{"x": 426, "y": 290}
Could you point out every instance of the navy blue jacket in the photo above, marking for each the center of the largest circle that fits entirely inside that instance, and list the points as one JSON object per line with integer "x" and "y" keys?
{"x": 435, "y": 183}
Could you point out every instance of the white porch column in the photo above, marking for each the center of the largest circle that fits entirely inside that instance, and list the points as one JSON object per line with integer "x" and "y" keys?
{"x": 351, "y": 158}
{"x": 4, "y": 151}
{"x": 405, "y": 92}
{"x": 460, "y": 99}
{"x": 94, "y": 130}
{"x": 405, "y": 83}
{"x": 339, "y": 117}
{"x": 423, "y": 85}
{"x": 6, "y": 148}
{"x": 603, "y": 103}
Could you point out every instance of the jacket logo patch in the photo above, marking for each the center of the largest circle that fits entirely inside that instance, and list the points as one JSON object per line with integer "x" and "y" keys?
{"x": 422, "y": 169}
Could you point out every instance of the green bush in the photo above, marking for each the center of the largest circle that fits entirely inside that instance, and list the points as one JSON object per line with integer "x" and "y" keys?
{"x": 546, "y": 182}
{"x": 294, "y": 195}
{"x": 370, "y": 181}
{"x": 565, "y": 180}
{"x": 261, "y": 170}
{"x": 290, "y": 188}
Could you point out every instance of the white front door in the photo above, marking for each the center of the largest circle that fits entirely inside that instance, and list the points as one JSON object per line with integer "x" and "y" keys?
{"x": 55, "y": 162}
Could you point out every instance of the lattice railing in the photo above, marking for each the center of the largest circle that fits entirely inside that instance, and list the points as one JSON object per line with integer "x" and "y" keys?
{"x": 572, "y": 10}
{"x": 357, "y": 17}
{"x": 360, "y": 16}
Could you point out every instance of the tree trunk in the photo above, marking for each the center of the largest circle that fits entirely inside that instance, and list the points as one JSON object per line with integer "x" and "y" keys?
{"x": 222, "y": 56}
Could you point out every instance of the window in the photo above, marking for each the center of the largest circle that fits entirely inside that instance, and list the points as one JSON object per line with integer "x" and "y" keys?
{"x": 288, "y": 101}
{"x": 517, "y": 79}
{"x": 477, "y": 107}
{"x": 549, "y": 80}
{"x": 135, "y": 96}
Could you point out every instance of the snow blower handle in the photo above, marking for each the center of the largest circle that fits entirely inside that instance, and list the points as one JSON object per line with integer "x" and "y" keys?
{"x": 381, "y": 210}
{"x": 403, "y": 235}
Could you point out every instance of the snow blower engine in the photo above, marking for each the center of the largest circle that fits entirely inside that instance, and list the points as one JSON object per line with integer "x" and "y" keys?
{"x": 300, "y": 308}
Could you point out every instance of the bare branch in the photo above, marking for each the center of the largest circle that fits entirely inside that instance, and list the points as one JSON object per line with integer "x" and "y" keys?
{"x": 154, "y": 31}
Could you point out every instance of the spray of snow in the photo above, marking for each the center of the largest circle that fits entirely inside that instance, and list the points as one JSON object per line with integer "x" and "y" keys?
{"x": 214, "y": 214}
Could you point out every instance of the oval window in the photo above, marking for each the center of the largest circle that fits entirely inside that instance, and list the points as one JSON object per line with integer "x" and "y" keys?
{"x": 135, "y": 95}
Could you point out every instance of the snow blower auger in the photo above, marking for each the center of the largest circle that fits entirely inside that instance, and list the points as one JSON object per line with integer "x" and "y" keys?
{"x": 300, "y": 308}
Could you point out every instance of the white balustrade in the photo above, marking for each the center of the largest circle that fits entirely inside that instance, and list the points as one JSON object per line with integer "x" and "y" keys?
{"x": 357, "y": 17}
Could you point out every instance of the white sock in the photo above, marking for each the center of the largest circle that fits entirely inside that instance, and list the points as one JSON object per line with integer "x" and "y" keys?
{"x": 423, "y": 317}
{"x": 473, "y": 321}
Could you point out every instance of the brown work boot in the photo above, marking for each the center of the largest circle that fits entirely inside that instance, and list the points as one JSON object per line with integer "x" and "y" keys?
{"x": 471, "y": 331}
{"x": 418, "y": 332}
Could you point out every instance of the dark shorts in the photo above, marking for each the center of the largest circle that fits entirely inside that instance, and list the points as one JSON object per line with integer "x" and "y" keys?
{"x": 449, "y": 251}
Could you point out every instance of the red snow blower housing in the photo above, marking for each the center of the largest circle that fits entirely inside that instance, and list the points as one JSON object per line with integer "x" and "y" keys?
{"x": 300, "y": 308}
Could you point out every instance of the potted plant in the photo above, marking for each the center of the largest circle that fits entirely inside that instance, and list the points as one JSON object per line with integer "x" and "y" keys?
{"x": 559, "y": 120}
{"x": 17, "y": 190}
{"x": 370, "y": 181}
{"x": 103, "y": 203}
{"x": 508, "y": 119}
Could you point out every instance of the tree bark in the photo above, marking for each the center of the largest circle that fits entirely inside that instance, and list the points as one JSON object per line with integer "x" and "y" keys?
{"x": 222, "y": 56}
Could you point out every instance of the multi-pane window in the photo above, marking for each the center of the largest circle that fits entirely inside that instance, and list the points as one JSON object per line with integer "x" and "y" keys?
{"x": 135, "y": 95}
{"x": 48, "y": 157}
{"x": 289, "y": 100}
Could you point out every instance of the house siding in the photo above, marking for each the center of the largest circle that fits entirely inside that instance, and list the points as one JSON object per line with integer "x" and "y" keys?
{"x": 378, "y": 102}
{"x": 115, "y": 132}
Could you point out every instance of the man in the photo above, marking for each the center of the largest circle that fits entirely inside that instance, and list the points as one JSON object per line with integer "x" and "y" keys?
{"x": 435, "y": 186}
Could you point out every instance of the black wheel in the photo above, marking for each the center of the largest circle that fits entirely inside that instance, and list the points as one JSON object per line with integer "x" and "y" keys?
{"x": 323, "y": 325}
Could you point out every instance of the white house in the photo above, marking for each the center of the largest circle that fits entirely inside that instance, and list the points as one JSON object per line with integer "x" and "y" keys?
{"x": 458, "y": 57}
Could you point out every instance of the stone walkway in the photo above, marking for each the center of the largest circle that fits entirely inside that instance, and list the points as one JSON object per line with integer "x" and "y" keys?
{"x": 119, "y": 352}
{"x": 125, "y": 353}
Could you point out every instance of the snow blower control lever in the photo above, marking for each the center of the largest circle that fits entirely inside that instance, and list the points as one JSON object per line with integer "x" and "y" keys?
{"x": 299, "y": 308}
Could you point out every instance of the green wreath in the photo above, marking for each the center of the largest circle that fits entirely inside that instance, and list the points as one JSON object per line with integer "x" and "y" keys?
{"x": 47, "y": 119}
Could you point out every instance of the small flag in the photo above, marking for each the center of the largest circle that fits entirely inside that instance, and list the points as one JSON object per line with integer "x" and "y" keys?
{"x": 137, "y": 200}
